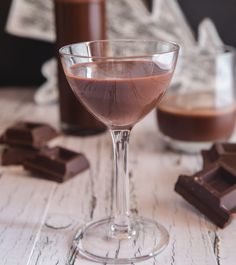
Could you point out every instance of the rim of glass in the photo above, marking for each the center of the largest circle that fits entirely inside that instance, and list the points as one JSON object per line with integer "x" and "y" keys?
{"x": 175, "y": 48}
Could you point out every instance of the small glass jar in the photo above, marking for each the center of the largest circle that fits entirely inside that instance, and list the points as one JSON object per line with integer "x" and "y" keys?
{"x": 199, "y": 108}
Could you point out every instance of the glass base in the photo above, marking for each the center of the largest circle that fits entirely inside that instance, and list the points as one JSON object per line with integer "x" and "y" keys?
{"x": 184, "y": 146}
{"x": 98, "y": 242}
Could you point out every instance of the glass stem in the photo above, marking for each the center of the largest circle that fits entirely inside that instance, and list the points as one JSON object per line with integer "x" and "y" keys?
{"x": 121, "y": 181}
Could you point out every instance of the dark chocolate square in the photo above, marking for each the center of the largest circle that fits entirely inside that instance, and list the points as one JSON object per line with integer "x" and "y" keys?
{"x": 218, "y": 151}
{"x": 16, "y": 156}
{"x": 58, "y": 164}
{"x": 212, "y": 191}
{"x": 34, "y": 135}
{"x": 220, "y": 180}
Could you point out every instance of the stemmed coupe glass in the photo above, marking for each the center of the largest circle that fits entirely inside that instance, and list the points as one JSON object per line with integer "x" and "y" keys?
{"x": 120, "y": 82}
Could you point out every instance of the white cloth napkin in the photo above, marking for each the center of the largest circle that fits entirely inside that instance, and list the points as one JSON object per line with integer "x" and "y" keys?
{"x": 32, "y": 19}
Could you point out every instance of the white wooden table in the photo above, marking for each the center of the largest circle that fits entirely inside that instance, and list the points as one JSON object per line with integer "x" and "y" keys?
{"x": 38, "y": 218}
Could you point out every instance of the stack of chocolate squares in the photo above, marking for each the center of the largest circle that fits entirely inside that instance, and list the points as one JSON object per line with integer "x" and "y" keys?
{"x": 25, "y": 143}
{"x": 213, "y": 189}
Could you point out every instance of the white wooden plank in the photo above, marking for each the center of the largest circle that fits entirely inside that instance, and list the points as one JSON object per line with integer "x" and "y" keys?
{"x": 24, "y": 200}
{"x": 38, "y": 218}
{"x": 23, "y": 206}
{"x": 224, "y": 244}
{"x": 188, "y": 234}
{"x": 157, "y": 170}
{"x": 139, "y": 196}
{"x": 18, "y": 105}
{"x": 85, "y": 197}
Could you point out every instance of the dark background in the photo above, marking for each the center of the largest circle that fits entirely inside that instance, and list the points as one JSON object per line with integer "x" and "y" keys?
{"x": 21, "y": 59}
{"x": 222, "y": 12}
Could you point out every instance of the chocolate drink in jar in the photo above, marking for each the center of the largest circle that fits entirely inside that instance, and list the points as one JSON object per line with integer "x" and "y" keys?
{"x": 200, "y": 108}
{"x": 180, "y": 122}
{"x": 77, "y": 21}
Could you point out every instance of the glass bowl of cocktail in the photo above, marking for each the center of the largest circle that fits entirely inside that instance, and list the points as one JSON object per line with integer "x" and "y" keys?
{"x": 120, "y": 82}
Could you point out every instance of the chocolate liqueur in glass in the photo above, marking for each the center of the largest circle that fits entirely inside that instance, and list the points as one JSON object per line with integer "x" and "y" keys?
{"x": 120, "y": 82}
{"x": 119, "y": 93}
{"x": 200, "y": 107}
{"x": 195, "y": 124}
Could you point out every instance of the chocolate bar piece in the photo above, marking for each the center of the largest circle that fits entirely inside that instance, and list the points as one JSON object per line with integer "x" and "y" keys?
{"x": 34, "y": 135}
{"x": 212, "y": 191}
{"x": 16, "y": 156}
{"x": 217, "y": 151}
{"x": 58, "y": 164}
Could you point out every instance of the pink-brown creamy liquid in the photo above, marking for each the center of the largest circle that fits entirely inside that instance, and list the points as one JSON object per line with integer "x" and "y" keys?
{"x": 119, "y": 93}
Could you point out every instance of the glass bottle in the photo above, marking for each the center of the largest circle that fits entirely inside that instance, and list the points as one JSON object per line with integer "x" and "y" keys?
{"x": 77, "y": 21}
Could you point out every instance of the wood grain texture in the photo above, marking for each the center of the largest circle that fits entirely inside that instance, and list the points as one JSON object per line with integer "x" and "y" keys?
{"x": 39, "y": 218}
{"x": 24, "y": 204}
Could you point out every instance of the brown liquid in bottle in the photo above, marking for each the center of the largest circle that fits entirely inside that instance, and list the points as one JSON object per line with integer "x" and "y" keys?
{"x": 185, "y": 118}
{"x": 77, "y": 21}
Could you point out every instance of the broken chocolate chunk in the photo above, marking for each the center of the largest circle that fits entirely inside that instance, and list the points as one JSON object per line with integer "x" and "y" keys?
{"x": 58, "y": 164}
{"x": 16, "y": 156}
{"x": 28, "y": 134}
{"x": 218, "y": 151}
{"x": 212, "y": 191}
